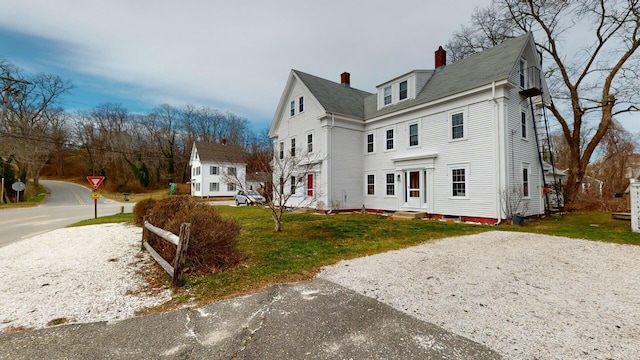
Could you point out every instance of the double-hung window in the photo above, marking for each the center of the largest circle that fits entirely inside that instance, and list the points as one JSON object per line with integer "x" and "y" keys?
{"x": 457, "y": 126}
{"x": 413, "y": 134}
{"x": 458, "y": 182}
{"x": 293, "y": 147}
{"x": 403, "y": 90}
{"x": 231, "y": 187}
{"x": 387, "y": 95}
{"x": 293, "y": 107}
{"x": 214, "y": 187}
{"x": 371, "y": 184}
{"x": 281, "y": 150}
{"x": 525, "y": 180}
{"x": 293, "y": 185}
{"x": 301, "y": 104}
{"x": 370, "y": 143}
{"x": 523, "y": 124}
{"x": 391, "y": 189}
{"x": 309, "y": 143}
{"x": 389, "y": 134}
{"x": 213, "y": 170}
{"x": 231, "y": 171}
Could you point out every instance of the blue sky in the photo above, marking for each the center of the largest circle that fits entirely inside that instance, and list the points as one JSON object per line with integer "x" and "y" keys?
{"x": 228, "y": 55}
{"x": 231, "y": 56}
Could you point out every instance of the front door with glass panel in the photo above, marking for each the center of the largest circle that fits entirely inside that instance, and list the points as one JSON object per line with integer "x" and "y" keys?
{"x": 413, "y": 190}
{"x": 418, "y": 189}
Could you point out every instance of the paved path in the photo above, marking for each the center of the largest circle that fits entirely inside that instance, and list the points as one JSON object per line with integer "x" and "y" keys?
{"x": 316, "y": 319}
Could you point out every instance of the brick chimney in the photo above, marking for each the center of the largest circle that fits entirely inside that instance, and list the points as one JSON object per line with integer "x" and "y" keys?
{"x": 441, "y": 57}
{"x": 345, "y": 79}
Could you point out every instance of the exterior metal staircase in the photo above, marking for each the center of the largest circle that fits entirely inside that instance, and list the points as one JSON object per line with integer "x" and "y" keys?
{"x": 532, "y": 88}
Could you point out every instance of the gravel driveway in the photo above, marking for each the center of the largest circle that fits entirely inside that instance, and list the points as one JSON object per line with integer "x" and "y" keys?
{"x": 526, "y": 296}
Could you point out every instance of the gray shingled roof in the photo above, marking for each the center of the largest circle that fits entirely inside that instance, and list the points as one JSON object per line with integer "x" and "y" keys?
{"x": 334, "y": 97}
{"x": 213, "y": 152}
{"x": 477, "y": 70}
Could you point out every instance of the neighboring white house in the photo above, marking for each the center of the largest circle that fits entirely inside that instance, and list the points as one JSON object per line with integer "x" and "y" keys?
{"x": 216, "y": 169}
{"x": 448, "y": 142}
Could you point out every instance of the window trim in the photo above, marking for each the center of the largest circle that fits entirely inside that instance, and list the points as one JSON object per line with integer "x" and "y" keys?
{"x": 214, "y": 187}
{"x": 372, "y": 143}
{"x": 281, "y": 152}
{"x": 417, "y": 125}
{"x": 387, "y": 99}
{"x": 300, "y": 104}
{"x": 526, "y": 186}
{"x": 310, "y": 143}
{"x": 214, "y": 170}
{"x": 406, "y": 90}
{"x": 522, "y": 73}
{"x": 370, "y": 187}
{"x": 523, "y": 124}
{"x": 392, "y": 139}
{"x": 390, "y": 176}
{"x": 293, "y": 147}
{"x": 292, "y": 111}
{"x": 467, "y": 173}
{"x": 293, "y": 186}
{"x": 464, "y": 124}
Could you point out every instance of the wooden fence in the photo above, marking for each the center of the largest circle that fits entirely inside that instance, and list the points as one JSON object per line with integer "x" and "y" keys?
{"x": 181, "y": 242}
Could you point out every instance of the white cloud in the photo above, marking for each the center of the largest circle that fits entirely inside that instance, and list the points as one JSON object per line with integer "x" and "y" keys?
{"x": 238, "y": 53}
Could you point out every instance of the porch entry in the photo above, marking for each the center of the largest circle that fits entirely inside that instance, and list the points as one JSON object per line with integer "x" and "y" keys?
{"x": 417, "y": 189}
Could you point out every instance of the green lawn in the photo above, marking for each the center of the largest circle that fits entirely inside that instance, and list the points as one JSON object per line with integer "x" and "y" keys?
{"x": 309, "y": 242}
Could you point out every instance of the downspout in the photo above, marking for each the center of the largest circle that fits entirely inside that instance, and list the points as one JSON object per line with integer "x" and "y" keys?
{"x": 330, "y": 167}
{"x": 496, "y": 142}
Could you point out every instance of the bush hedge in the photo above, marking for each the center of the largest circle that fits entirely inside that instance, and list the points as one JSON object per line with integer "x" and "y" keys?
{"x": 141, "y": 209}
{"x": 212, "y": 242}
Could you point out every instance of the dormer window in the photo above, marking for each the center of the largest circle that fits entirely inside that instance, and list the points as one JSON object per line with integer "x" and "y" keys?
{"x": 387, "y": 95}
{"x": 403, "y": 90}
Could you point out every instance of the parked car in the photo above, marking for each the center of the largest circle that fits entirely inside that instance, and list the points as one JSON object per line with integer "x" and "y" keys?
{"x": 249, "y": 197}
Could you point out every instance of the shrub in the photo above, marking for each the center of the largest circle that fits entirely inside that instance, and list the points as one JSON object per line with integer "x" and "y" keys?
{"x": 141, "y": 209}
{"x": 212, "y": 242}
{"x": 167, "y": 208}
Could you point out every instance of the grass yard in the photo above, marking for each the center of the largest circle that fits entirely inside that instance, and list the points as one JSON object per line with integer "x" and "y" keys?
{"x": 309, "y": 242}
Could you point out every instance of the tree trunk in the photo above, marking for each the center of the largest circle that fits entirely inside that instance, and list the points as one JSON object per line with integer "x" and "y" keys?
{"x": 277, "y": 222}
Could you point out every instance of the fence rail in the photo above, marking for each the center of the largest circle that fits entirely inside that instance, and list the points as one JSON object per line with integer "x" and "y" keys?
{"x": 180, "y": 241}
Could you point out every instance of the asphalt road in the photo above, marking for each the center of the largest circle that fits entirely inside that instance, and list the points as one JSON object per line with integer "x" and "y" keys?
{"x": 66, "y": 204}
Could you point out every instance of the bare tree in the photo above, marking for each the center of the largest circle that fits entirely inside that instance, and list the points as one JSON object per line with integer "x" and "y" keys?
{"x": 33, "y": 124}
{"x": 617, "y": 147}
{"x": 289, "y": 173}
{"x": 588, "y": 87}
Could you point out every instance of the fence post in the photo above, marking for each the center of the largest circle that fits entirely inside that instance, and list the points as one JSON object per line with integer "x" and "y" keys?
{"x": 145, "y": 232}
{"x": 181, "y": 253}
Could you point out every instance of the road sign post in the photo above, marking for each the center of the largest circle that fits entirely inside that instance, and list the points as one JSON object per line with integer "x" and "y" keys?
{"x": 95, "y": 181}
{"x": 17, "y": 187}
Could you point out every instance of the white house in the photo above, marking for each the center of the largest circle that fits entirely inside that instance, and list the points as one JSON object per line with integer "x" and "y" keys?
{"x": 450, "y": 142}
{"x": 216, "y": 169}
